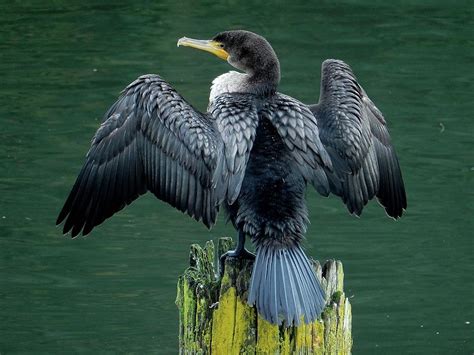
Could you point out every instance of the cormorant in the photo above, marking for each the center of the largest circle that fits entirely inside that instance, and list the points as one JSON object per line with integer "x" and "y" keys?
{"x": 253, "y": 152}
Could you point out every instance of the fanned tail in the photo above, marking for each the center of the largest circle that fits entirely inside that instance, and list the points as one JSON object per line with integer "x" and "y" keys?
{"x": 284, "y": 286}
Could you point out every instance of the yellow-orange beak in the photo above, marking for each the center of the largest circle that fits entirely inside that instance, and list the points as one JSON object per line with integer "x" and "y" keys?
{"x": 204, "y": 45}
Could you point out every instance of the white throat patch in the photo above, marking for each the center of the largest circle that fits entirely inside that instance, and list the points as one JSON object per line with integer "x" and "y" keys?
{"x": 229, "y": 82}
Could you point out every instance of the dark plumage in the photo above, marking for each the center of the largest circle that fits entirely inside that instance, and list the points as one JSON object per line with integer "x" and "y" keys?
{"x": 253, "y": 152}
{"x": 355, "y": 135}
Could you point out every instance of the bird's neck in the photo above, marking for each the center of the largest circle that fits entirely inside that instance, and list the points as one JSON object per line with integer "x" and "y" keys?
{"x": 231, "y": 82}
{"x": 260, "y": 83}
{"x": 264, "y": 81}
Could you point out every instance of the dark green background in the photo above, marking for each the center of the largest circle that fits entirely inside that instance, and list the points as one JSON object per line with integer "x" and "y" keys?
{"x": 63, "y": 63}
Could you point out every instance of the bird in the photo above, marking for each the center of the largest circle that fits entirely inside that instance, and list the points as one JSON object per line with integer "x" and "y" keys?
{"x": 252, "y": 153}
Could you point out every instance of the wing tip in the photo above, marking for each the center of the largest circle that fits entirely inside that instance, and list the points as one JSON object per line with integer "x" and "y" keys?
{"x": 72, "y": 228}
{"x": 395, "y": 216}
{"x": 394, "y": 208}
{"x": 59, "y": 220}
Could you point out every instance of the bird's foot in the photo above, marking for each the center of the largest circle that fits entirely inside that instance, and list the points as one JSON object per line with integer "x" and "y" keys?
{"x": 241, "y": 254}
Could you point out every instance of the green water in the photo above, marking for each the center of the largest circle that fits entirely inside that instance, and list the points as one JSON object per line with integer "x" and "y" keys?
{"x": 63, "y": 63}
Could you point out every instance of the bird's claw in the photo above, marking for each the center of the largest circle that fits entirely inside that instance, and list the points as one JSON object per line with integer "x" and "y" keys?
{"x": 241, "y": 254}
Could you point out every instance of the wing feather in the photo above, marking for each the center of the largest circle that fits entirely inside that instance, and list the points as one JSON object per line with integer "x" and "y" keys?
{"x": 355, "y": 134}
{"x": 236, "y": 118}
{"x": 298, "y": 128}
{"x": 151, "y": 140}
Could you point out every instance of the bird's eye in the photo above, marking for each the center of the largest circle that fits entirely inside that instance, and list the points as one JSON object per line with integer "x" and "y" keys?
{"x": 221, "y": 45}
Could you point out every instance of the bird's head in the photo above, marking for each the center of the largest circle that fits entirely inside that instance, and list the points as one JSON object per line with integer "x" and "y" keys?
{"x": 244, "y": 50}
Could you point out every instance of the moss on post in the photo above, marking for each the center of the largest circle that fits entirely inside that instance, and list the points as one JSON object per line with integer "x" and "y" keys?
{"x": 214, "y": 316}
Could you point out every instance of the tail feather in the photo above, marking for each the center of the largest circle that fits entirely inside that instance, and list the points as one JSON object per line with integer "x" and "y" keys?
{"x": 308, "y": 286}
{"x": 284, "y": 286}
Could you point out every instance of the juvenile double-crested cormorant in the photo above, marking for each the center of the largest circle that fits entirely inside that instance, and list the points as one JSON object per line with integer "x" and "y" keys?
{"x": 253, "y": 151}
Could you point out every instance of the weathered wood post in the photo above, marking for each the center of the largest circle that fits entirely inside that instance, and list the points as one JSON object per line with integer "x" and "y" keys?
{"x": 214, "y": 316}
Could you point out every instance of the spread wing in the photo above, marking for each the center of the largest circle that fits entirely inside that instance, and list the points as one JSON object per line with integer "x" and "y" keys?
{"x": 151, "y": 140}
{"x": 236, "y": 118}
{"x": 356, "y": 137}
{"x": 298, "y": 128}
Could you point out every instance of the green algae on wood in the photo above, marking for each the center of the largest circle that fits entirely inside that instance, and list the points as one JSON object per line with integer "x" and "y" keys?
{"x": 214, "y": 317}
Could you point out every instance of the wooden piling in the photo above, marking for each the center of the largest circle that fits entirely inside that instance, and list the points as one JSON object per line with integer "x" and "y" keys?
{"x": 214, "y": 317}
